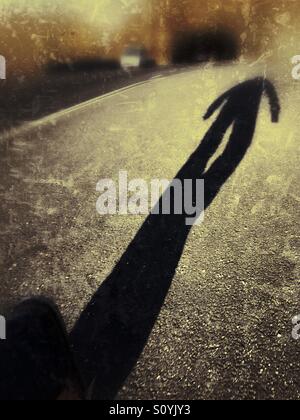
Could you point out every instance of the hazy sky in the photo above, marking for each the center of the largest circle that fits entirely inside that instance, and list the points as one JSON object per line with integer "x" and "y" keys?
{"x": 108, "y": 13}
{"x": 35, "y": 32}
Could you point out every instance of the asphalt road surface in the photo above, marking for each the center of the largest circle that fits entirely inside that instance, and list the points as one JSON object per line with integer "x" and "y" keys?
{"x": 222, "y": 327}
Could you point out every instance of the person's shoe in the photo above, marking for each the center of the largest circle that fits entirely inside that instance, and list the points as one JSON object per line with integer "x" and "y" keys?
{"x": 35, "y": 359}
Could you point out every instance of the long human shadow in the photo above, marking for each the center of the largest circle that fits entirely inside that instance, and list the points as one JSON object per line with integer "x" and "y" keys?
{"x": 113, "y": 330}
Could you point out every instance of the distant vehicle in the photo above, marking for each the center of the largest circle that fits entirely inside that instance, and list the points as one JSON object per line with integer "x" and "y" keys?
{"x": 136, "y": 57}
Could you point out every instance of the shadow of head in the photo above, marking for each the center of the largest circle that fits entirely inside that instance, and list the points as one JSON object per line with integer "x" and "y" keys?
{"x": 202, "y": 46}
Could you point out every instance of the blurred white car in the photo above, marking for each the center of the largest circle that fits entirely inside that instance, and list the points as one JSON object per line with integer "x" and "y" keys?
{"x": 136, "y": 57}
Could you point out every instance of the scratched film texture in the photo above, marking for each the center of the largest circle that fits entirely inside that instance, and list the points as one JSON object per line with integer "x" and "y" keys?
{"x": 224, "y": 329}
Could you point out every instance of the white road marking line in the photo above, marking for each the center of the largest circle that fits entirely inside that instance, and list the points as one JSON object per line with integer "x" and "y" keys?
{"x": 53, "y": 117}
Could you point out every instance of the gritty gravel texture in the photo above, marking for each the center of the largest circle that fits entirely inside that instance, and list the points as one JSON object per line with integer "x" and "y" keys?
{"x": 224, "y": 331}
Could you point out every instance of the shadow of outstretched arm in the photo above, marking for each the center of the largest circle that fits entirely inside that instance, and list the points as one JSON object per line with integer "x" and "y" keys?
{"x": 216, "y": 105}
{"x": 273, "y": 100}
